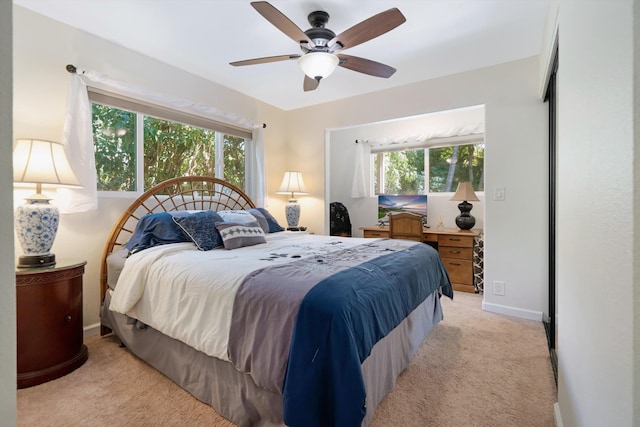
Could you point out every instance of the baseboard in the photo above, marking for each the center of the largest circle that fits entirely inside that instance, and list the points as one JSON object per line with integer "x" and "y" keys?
{"x": 512, "y": 311}
{"x": 557, "y": 414}
{"x": 91, "y": 330}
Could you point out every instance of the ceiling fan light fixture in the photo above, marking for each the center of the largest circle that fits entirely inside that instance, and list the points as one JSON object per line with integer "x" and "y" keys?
{"x": 318, "y": 65}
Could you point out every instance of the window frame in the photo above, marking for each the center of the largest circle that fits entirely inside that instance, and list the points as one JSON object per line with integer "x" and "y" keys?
{"x": 142, "y": 109}
{"x": 377, "y": 174}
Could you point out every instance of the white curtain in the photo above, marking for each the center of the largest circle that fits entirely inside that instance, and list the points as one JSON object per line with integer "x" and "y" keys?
{"x": 430, "y": 138}
{"x": 360, "y": 187}
{"x": 78, "y": 143}
{"x": 141, "y": 93}
{"x": 258, "y": 189}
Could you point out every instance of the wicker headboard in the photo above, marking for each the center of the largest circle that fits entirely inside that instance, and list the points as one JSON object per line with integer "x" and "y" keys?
{"x": 182, "y": 193}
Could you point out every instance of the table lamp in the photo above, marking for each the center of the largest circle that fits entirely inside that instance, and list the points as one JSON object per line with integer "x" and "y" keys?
{"x": 39, "y": 162}
{"x": 465, "y": 221}
{"x": 292, "y": 184}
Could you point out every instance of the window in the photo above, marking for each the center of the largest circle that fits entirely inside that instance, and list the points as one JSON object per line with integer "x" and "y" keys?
{"x": 138, "y": 146}
{"x": 428, "y": 170}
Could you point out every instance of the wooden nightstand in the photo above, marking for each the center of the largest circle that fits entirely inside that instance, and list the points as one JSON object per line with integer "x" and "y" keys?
{"x": 49, "y": 322}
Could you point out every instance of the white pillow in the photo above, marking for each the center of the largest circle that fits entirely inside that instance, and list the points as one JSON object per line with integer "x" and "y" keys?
{"x": 241, "y": 217}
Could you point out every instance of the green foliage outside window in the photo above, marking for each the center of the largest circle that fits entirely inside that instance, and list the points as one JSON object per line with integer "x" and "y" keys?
{"x": 171, "y": 149}
{"x": 403, "y": 172}
{"x": 450, "y": 165}
{"x": 114, "y": 139}
{"x": 174, "y": 149}
{"x": 234, "y": 160}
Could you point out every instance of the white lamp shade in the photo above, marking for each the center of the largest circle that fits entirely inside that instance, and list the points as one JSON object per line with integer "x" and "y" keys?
{"x": 292, "y": 183}
{"x": 318, "y": 64}
{"x": 42, "y": 162}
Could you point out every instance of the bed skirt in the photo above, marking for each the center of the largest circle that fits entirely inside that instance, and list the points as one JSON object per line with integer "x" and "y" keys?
{"x": 236, "y": 397}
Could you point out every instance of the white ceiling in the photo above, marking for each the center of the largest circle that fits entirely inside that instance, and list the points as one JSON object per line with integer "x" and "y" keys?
{"x": 201, "y": 37}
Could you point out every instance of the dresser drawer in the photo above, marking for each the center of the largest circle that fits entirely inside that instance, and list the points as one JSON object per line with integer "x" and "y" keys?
{"x": 458, "y": 241}
{"x": 430, "y": 237}
{"x": 376, "y": 233}
{"x": 455, "y": 252}
{"x": 460, "y": 271}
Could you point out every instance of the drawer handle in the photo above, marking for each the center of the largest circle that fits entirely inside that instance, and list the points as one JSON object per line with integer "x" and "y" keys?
{"x": 454, "y": 263}
{"x": 455, "y": 252}
{"x": 67, "y": 319}
{"x": 454, "y": 239}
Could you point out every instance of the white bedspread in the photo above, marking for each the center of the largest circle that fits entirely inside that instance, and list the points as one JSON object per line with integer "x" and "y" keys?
{"x": 188, "y": 294}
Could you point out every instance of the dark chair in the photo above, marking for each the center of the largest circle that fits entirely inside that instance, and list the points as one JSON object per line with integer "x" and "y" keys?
{"x": 340, "y": 224}
{"x": 405, "y": 225}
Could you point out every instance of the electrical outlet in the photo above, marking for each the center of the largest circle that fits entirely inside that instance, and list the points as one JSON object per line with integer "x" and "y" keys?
{"x": 498, "y": 288}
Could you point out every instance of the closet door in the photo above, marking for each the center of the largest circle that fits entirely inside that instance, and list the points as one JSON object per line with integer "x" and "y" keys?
{"x": 552, "y": 327}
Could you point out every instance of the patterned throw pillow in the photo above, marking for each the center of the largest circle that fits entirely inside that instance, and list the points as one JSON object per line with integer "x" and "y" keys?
{"x": 236, "y": 235}
{"x": 201, "y": 229}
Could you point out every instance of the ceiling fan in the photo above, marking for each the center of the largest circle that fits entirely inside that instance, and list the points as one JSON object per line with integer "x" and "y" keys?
{"x": 320, "y": 45}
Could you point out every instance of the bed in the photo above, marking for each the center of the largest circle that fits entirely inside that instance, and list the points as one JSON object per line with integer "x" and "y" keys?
{"x": 267, "y": 326}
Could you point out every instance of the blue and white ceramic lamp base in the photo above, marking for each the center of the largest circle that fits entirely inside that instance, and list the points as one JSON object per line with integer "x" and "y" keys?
{"x": 292, "y": 210}
{"x": 36, "y": 224}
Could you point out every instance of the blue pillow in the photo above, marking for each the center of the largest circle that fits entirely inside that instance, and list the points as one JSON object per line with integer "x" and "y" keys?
{"x": 153, "y": 230}
{"x": 274, "y": 227}
{"x": 201, "y": 229}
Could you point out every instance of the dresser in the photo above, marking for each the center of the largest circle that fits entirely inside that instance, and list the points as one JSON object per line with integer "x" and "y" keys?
{"x": 49, "y": 322}
{"x": 454, "y": 246}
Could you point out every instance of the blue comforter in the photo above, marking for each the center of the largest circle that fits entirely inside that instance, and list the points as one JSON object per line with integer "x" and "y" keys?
{"x": 339, "y": 321}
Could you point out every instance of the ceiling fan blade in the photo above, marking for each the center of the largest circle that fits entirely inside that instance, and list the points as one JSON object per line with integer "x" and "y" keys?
{"x": 310, "y": 84}
{"x": 264, "y": 60}
{"x": 366, "y": 66}
{"x": 281, "y": 22}
{"x": 368, "y": 29}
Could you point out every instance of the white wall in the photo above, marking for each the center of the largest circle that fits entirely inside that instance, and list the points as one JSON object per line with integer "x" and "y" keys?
{"x": 516, "y": 158}
{"x": 7, "y": 270}
{"x": 597, "y": 290}
{"x": 43, "y": 47}
{"x": 341, "y": 158}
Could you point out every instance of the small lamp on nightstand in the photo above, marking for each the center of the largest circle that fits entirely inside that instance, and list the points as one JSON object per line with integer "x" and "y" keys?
{"x": 464, "y": 193}
{"x": 292, "y": 183}
{"x": 39, "y": 162}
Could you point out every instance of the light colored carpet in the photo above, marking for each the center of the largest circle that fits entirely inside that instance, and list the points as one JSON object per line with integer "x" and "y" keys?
{"x": 474, "y": 369}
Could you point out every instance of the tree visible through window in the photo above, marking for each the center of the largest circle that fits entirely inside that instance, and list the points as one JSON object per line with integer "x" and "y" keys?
{"x": 173, "y": 149}
{"x": 428, "y": 170}
{"x": 450, "y": 165}
{"x": 168, "y": 149}
{"x": 114, "y": 139}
